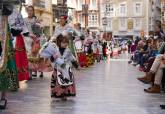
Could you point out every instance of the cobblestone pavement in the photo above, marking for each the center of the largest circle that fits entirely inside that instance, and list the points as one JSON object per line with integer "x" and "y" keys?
{"x": 106, "y": 88}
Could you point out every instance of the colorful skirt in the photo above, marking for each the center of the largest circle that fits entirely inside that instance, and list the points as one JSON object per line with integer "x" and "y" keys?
{"x": 82, "y": 59}
{"x": 104, "y": 52}
{"x": 40, "y": 64}
{"x": 35, "y": 62}
{"x": 96, "y": 55}
{"x": 90, "y": 59}
{"x": 21, "y": 59}
{"x": 12, "y": 69}
{"x": 9, "y": 77}
{"x": 59, "y": 91}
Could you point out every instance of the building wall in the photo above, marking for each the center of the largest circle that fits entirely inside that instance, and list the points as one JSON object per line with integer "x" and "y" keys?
{"x": 135, "y": 23}
{"x": 45, "y": 13}
{"x": 93, "y": 18}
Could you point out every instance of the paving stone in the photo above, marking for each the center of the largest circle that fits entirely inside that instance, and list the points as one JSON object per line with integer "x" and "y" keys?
{"x": 106, "y": 88}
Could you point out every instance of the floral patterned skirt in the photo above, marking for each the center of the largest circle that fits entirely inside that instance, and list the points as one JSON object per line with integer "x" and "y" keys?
{"x": 40, "y": 64}
{"x": 90, "y": 59}
{"x": 59, "y": 91}
{"x": 9, "y": 77}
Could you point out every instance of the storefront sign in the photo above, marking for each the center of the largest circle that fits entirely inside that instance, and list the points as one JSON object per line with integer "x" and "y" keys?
{"x": 130, "y": 24}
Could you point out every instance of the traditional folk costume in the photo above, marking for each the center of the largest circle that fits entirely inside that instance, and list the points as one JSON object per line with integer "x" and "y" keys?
{"x": 79, "y": 39}
{"x": 17, "y": 26}
{"x": 8, "y": 76}
{"x": 79, "y": 44}
{"x": 66, "y": 30}
{"x": 62, "y": 82}
{"x": 8, "y": 71}
{"x": 104, "y": 45}
{"x": 28, "y": 40}
{"x": 33, "y": 46}
{"x": 95, "y": 47}
{"x": 100, "y": 51}
{"x": 88, "y": 48}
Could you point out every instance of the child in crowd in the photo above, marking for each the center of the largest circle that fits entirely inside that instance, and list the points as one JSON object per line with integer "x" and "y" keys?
{"x": 100, "y": 51}
{"x": 104, "y": 49}
{"x": 62, "y": 82}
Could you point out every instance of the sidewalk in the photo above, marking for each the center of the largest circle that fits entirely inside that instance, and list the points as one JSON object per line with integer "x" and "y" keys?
{"x": 106, "y": 88}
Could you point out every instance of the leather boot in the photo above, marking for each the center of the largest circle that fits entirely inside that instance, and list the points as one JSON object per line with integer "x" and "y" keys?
{"x": 143, "y": 79}
{"x": 153, "y": 89}
{"x": 162, "y": 106}
{"x": 148, "y": 78}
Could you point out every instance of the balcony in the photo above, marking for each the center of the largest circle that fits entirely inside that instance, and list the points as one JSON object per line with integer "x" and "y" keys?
{"x": 39, "y": 4}
{"x": 93, "y": 24}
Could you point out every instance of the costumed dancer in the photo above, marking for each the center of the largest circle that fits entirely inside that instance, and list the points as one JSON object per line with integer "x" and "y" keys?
{"x": 18, "y": 29}
{"x": 79, "y": 38}
{"x": 104, "y": 45}
{"x": 33, "y": 43}
{"x": 65, "y": 29}
{"x": 100, "y": 50}
{"x": 8, "y": 70}
{"x": 79, "y": 44}
{"x": 62, "y": 82}
{"x": 88, "y": 47}
{"x": 95, "y": 47}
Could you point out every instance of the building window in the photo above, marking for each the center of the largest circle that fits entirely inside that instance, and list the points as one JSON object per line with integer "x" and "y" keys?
{"x": 39, "y": 3}
{"x": 80, "y": 3}
{"x": 138, "y": 9}
{"x": 123, "y": 10}
{"x": 122, "y": 24}
{"x": 61, "y": 2}
{"x": 109, "y": 24}
{"x": 93, "y": 4}
{"x": 80, "y": 19}
{"x": 109, "y": 8}
{"x": 93, "y": 20}
{"x": 137, "y": 24}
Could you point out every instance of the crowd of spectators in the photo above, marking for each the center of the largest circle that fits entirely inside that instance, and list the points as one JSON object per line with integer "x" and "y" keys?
{"x": 148, "y": 54}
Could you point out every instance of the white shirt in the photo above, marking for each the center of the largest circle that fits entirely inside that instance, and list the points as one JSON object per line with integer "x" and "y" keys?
{"x": 100, "y": 49}
{"x": 61, "y": 30}
{"x": 17, "y": 22}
